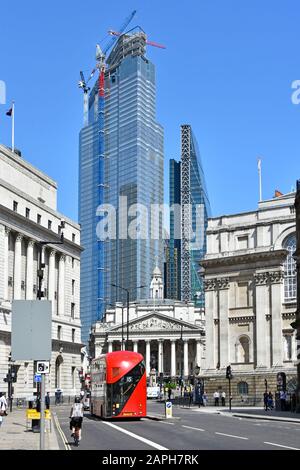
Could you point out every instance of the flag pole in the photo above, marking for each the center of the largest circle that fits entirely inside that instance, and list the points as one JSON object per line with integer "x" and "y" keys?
{"x": 259, "y": 178}
{"x": 13, "y": 127}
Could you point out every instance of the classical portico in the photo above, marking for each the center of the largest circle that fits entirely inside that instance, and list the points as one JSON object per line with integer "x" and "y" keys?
{"x": 169, "y": 334}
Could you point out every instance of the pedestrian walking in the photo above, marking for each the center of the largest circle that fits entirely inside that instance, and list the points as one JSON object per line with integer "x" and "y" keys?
{"x": 3, "y": 407}
{"x": 57, "y": 396}
{"x": 223, "y": 398}
{"x": 216, "y": 398}
{"x": 169, "y": 393}
{"x": 266, "y": 395}
{"x": 270, "y": 401}
{"x": 47, "y": 401}
{"x": 191, "y": 393}
{"x": 204, "y": 399}
{"x": 282, "y": 400}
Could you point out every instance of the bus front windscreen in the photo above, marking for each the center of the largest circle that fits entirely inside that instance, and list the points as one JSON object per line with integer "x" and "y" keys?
{"x": 119, "y": 392}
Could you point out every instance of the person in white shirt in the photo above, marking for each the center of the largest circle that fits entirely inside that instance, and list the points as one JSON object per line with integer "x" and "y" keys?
{"x": 216, "y": 398}
{"x": 3, "y": 407}
{"x": 223, "y": 396}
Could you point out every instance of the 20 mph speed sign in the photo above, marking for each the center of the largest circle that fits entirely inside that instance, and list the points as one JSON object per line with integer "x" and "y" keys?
{"x": 43, "y": 367}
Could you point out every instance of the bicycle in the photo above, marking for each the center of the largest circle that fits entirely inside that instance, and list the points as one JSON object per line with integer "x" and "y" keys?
{"x": 76, "y": 426}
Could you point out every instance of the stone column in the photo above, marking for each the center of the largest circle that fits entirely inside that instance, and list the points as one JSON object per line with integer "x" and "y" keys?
{"x": 173, "y": 357}
{"x": 29, "y": 270}
{"x": 147, "y": 359}
{"x": 198, "y": 353}
{"x": 51, "y": 278}
{"x": 276, "y": 278}
{"x": 17, "y": 267}
{"x": 185, "y": 357}
{"x": 5, "y": 267}
{"x": 210, "y": 300}
{"x": 223, "y": 286}
{"x": 61, "y": 285}
{"x": 110, "y": 346}
{"x": 136, "y": 346}
{"x": 294, "y": 347}
{"x": 262, "y": 308}
{"x": 160, "y": 356}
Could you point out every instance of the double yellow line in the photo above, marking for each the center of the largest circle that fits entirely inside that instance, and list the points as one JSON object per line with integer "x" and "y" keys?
{"x": 62, "y": 435}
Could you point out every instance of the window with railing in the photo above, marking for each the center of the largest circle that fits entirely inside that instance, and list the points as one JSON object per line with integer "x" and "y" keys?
{"x": 290, "y": 269}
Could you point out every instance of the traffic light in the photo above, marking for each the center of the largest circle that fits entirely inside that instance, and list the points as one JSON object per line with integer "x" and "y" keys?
{"x": 228, "y": 372}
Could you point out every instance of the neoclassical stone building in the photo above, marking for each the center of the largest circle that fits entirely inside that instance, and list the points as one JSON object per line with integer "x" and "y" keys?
{"x": 250, "y": 298}
{"x": 28, "y": 215}
{"x": 170, "y": 334}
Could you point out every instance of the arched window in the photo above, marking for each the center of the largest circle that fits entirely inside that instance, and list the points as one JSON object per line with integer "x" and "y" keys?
{"x": 242, "y": 388}
{"x": 290, "y": 269}
{"x": 243, "y": 349}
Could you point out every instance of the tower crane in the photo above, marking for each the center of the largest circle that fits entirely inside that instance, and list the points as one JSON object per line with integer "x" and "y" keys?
{"x": 150, "y": 43}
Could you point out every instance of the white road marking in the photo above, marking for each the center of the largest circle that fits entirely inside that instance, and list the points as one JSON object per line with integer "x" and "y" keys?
{"x": 190, "y": 427}
{"x": 135, "y": 436}
{"x": 231, "y": 435}
{"x": 164, "y": 422}
{"x": 279, "y": 445}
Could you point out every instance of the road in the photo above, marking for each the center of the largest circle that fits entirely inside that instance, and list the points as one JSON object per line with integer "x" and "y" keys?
{"x": 192, "y": 430}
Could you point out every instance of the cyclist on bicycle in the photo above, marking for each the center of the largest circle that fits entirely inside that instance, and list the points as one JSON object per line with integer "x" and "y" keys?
{"x": 76, "y": 416}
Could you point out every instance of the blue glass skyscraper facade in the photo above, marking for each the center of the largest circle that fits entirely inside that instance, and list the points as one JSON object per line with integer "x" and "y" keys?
{"x": 134, "y": 169}
{"x": 133, "y": 180}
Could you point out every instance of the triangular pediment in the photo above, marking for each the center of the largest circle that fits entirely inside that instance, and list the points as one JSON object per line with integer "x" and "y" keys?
{"x": 156, "y": 321}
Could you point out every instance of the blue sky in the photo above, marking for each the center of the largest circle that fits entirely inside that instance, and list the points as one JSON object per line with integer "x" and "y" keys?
{"x": 227, "y": 71}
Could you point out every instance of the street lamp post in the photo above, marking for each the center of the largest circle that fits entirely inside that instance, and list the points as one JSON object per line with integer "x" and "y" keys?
{"x": 181, "y": 358}
{"x": 41, "y": 394}
{"x": 127, "y": 294}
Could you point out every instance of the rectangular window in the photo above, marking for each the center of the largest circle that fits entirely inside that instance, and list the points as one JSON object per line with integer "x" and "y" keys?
{"x": 72, "y": 263}
{"x": 49, "y": 224}
{"x": 72, "y": 310}
{"x": 59, "y": 332}
{"x": 73, "y": 286}
{"x": 73, "y": 237}
{"x": 27, "y": 213}
{"x": 73, "y": 335}
{"x": 39, "y": 218}
{"x": 15, "y": 206}
{"x": 243, "y": 242}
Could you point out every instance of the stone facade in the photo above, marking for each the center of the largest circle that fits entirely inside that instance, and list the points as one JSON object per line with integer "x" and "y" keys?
{"x": 169, "y": 334}
{"x": 251, "y": 297}
{"x": 28, "y": 215}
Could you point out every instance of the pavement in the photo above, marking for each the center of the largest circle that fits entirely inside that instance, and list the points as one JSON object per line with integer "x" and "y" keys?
{"x": 14, "y": 435}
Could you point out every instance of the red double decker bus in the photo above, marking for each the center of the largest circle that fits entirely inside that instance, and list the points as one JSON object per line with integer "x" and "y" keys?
{"x": 118, "y": 385}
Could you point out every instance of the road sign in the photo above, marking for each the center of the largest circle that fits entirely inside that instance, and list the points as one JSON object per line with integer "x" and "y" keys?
{"x": 37, "y": 377}
{"x": 31, "y": 330}
{"x": 43, "y": 367}
{"x": 168, "y": 409}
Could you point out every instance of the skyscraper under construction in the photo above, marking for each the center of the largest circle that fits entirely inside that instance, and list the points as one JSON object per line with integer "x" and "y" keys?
{"x": 132, "y": 181}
